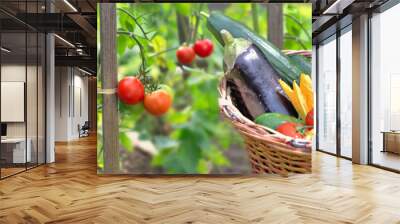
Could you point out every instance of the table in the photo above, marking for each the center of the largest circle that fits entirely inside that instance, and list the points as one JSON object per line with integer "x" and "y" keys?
{"x": 391, "y": 141}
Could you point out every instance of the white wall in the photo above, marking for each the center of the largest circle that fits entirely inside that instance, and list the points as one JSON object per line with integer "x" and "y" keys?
{"x": 346, "y": 75}
{"x": 81, "y": 89}
{"x": 62, "y": 80}
{"x": 70, "y": 84}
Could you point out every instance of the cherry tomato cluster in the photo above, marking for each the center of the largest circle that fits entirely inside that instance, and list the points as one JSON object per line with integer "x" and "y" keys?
{"x": 297, "y": 130}
{"x": 310, "y": 118}
{"x": 202, "y": 48}
{"x": 291, "y": 129}
{"x": 131, "y": 91}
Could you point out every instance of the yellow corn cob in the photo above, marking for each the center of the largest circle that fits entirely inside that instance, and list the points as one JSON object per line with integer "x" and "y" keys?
{"x": 306, "y": 89}
{"x": 303, "y": 109}
{"x": 290, "y": 93}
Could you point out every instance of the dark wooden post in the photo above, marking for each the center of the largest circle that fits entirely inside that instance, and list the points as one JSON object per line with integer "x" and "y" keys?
{"x": 92, "y": 103}
{"x": 108, "y": 57}
{"x": 275, "y": 24}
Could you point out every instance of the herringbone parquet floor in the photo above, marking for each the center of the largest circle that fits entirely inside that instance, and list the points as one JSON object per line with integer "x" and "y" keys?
{"x": 69, "y": 191}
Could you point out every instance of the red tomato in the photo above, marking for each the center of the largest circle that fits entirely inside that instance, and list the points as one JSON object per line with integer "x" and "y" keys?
{"x": 310, "y": 118}
{"x": 158, "y": 102}
{"x": 130, "y": 90}
{"x": 185, "y": 55}
{"x": 203, "y": 48}
{"x": 290, "y": 129}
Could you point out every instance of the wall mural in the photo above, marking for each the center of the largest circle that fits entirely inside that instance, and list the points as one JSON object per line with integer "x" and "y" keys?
{"x": 198, "y": 89}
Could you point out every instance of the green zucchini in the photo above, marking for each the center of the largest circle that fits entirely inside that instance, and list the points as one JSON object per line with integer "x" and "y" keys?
{"x": 216, "y": 22}
{"x": 273, "y": 120}
{"x": 301, "y": 62}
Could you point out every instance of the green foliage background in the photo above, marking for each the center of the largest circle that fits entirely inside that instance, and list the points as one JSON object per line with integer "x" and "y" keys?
{"x": 191, "y": 137}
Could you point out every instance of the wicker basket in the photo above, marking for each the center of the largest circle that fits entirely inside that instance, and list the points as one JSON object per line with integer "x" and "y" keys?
{"x": 268, "y": 150}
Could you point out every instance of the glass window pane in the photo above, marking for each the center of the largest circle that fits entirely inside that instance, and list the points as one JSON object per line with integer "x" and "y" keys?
{"x": 32, "y": 87}
{"x": 385, "y": 89}
{"x": 346, "y": 94}
{"x": 327, "y": 96}
{"x": 22, "y": 88}
{"x": 14, "y": 153}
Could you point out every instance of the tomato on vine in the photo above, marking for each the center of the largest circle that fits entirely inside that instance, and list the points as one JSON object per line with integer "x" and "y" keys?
{"x": 310, "y": 118}
{"x": 290, "y": 129}
{"x": 158, "y": 102}
{"x": 185, "y": 55}
{"x": 203, "y": 48}
{"x": 130, "y": 90}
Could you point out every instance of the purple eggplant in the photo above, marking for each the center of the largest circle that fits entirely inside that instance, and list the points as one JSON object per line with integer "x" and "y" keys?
{"x": 261, "y": 77}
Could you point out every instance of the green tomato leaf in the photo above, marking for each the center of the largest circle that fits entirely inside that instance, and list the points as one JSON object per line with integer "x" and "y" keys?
{"x": 202, "y": 167}
{"x": 159, "y": 43}
{"x": 183, "y": 8}
{"x": 129, "y": 25}
{"x": 122, "y": 42}
{"x": 217, "y": 157}
{"x": 163, "y": 142}
{"x": 189, "y": 153}
{"x": 125, "y": 141}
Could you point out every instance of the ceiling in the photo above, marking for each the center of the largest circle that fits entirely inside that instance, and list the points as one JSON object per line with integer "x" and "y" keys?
{"x": 74, "y": 22}
{"x": 330, "y": 15}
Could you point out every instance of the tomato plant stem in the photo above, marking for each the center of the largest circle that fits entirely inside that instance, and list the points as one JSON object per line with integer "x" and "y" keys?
{"x": 164, "y": 51}
{"x": 135, "y": 20}
{"x": 131, "y": 35}
{"x": 196, "y": 25}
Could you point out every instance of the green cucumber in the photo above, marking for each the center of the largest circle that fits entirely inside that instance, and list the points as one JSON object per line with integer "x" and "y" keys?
{"x": 216, "y": 22}
{"x": 273, "y": 120}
